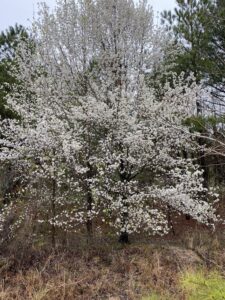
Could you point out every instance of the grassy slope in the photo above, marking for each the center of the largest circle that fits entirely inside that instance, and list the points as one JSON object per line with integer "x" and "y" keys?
{"x": 105, "y": 270}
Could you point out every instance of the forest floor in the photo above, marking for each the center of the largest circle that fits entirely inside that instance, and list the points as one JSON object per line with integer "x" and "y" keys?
{"x": 145, "y": 269}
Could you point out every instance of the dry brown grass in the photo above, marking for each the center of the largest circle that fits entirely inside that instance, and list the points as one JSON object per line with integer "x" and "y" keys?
{"x": 105, "y": 270}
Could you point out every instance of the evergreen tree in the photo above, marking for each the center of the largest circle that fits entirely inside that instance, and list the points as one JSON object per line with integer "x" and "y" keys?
{"x": 198, "y": 28}
{"x": 8, "y": 45}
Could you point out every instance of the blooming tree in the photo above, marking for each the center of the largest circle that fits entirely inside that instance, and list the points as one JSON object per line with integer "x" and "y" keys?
{"x": 92, "y": 128}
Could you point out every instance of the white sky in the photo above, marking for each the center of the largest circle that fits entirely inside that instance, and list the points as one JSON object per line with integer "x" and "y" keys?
{"x": 21, "y": 11}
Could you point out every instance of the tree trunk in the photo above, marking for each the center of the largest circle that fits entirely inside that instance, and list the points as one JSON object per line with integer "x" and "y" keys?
{"x": 203, "y": 164}
{"x": 53, "y": 229}
{"x": 169, "y": 219}
{"x": 89, "y": 223}
{"x": 124, "y": 238}
{"x": 202, "y": 160}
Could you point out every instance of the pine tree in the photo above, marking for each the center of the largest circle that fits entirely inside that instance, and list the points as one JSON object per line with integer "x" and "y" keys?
{"x": 8, "y": 45}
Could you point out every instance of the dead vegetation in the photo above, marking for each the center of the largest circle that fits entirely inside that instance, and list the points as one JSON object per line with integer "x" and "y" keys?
{"x": 105, "y": 270}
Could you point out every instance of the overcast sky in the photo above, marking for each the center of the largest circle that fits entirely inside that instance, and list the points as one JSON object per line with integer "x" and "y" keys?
{"x": 21, "y": 11}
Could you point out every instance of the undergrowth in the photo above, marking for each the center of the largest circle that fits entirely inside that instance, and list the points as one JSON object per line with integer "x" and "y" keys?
{"x": 103, "y": 270}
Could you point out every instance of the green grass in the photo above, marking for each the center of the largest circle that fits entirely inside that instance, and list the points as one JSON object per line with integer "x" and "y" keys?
{"x": 153, "y": 296}
{"x": 196, "y": 285}
{"x": 201, "y": 286}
